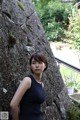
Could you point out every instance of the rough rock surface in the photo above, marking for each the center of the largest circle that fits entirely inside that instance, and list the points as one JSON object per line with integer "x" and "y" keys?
{"x": 21, "y": 34}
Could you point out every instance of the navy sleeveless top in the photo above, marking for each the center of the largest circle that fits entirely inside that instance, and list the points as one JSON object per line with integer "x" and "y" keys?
{"x": 31, "y": 101}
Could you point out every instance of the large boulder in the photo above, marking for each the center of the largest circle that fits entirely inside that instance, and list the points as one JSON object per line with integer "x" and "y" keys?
{"x": 21, "y": 34}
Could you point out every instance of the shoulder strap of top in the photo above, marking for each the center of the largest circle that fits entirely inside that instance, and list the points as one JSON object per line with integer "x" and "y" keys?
{"x": 32, "y": 78}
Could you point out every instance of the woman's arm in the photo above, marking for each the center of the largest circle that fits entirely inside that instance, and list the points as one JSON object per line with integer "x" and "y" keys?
{"x": 14, "y": 104}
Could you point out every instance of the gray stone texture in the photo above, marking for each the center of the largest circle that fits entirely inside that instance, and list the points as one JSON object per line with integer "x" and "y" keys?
{"x": 22, "y": 34}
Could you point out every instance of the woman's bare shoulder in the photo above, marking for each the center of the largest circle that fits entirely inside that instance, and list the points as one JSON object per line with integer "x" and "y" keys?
{"x": 26, "y": 80}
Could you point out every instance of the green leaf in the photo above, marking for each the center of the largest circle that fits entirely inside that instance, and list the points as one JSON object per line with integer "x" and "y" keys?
{"x": 20, "y": 5}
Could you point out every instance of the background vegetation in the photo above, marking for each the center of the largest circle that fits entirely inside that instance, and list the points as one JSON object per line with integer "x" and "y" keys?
{"x": 73, "y": 112}
{"x": 58, "y": 20}
{"x": 73, "y": 32}
{"x": 71, "y": 78}
{"x": 54, "y": 17}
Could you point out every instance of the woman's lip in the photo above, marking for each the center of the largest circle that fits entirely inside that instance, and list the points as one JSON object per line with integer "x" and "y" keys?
{"x": 37, "y": 69}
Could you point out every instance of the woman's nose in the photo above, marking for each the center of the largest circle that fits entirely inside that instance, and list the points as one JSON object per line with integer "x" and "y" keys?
{"x": 37, "y": 64}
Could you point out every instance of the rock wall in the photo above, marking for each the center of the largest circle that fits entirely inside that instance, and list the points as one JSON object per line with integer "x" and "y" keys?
{"x": 21, "y": 34}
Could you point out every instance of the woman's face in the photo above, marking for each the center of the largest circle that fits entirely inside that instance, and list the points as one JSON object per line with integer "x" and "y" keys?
{"x": 37, "y": 67}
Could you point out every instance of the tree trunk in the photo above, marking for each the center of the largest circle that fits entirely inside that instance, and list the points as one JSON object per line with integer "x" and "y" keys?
{"x": 21, "y": 34}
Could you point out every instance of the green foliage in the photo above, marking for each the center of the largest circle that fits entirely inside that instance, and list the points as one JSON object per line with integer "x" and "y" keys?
{"x": 74, "y": 28}
{"x": 57, "y": 18}
{"x": 70, "y": 77}
{"x": 54, "y": 31}
{"x": 20, "y": 5}
{"x": 43, "y": 2}
{"x": 73, "y": 112}
{"x": 54, "y": 17}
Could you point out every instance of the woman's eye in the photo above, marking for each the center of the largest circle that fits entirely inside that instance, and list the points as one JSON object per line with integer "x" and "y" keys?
{"x": 33, "y": 62}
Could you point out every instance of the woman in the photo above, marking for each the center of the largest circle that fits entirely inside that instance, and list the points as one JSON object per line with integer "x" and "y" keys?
{"x": 26, "y": 102}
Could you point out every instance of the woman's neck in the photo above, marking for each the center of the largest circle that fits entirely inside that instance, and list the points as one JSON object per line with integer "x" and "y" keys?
{"x": 37, "y": 77}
